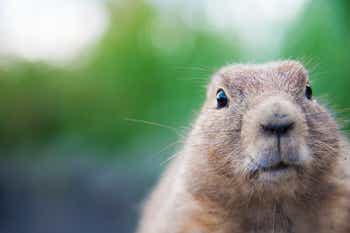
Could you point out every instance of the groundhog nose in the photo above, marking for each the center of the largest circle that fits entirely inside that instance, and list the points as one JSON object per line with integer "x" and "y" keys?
{"x": 276, "y": 116}
{"x": 278, "y": 127}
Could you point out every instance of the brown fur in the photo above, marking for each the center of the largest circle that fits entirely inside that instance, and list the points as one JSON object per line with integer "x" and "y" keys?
{"x": 208, "y": 187}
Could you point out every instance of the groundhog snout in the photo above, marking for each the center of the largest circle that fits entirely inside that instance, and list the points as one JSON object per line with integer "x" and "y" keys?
{"x": 274, "y": 134}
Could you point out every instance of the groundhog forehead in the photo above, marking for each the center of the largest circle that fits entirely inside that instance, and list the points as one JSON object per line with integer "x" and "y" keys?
{"x": 288, "y": 75}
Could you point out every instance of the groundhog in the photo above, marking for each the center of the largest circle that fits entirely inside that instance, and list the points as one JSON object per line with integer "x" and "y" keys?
{"x": 263, "y": 156}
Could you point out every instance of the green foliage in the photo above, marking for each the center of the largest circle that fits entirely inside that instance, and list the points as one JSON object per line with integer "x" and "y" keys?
{"x": 136, "y": 73}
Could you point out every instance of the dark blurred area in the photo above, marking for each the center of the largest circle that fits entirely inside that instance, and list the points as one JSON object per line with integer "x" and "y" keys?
{"x": 96, "y": 95}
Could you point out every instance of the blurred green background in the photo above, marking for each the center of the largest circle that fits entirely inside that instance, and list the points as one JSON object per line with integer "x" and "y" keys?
{"x": 83, "y": 139}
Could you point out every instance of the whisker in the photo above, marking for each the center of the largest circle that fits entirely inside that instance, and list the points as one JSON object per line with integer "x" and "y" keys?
{"x": 173, "y": 129}
{"x": 167, "y": 147}
{"x": 169, "y": 159}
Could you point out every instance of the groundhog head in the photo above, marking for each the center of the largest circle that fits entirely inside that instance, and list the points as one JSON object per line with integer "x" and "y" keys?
{"x": 261, "y": 130}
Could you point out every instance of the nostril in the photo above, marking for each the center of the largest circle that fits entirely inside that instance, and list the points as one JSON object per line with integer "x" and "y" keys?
{"x": 277, "y": 128}
{"x": 280, "y": 116}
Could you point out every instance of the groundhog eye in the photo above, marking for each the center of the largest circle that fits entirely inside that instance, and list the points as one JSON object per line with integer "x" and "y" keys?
{"x": 221, "y": 99}
{"x": 308, "y": 92}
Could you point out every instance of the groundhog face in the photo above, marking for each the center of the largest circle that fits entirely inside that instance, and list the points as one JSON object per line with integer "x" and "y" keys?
{"x": 261, "y": 125}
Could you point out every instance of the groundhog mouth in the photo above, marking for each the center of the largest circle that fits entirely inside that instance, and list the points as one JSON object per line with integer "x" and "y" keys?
{"x": 275, "y": 172}
{"x": 278, "y": 167}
